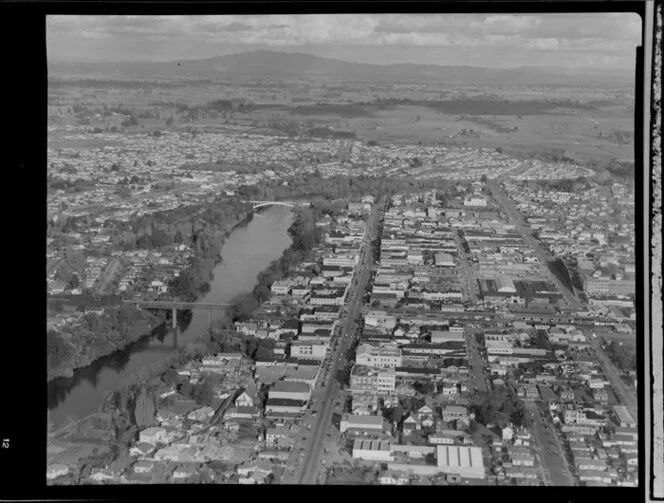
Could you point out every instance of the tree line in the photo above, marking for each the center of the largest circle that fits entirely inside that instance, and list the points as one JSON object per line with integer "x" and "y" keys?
{"x": 315, "y": 186}
{"x": 622, "y": 356}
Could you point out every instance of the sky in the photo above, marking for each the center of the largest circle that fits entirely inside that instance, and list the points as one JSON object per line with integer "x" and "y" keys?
{"x": 598, "y": 40}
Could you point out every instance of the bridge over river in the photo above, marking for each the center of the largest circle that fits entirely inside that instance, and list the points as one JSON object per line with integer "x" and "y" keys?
{"x": 290, "y": 204}
{"x": 175, "y": 305}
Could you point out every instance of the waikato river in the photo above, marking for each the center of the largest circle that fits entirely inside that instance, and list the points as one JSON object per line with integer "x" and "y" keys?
{"x": 248, "y": 250}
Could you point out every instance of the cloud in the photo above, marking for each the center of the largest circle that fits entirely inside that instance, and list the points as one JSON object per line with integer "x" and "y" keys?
{"x": 235, "y": 26}
{"x": 602, "y": 35}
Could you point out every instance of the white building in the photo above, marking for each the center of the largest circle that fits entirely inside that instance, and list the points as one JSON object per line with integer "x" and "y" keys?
{"x": 346, "y": 260}
{"x": 475, "y": 200}
{"x": 314, "y": 350}
{"x": 281, "y": 287}
{"x": 460, "y": 460}
{"x": 366, "y": 423}
{"x": 372, "y": 450}
{"x": 379, "y": 357}
{"x": 444, "y": 260}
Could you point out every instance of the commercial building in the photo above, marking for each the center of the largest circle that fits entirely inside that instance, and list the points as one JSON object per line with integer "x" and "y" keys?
{"x": 348, "y": 260}
{"x": 624, "y": 417}
{"x": 290, "y": 391}
{"x": 605, "y": 286}
{"x": 380, "y": 319}
{"x": 284, "y": 406}
{"x": 363, "y": 378}
{"x": 363, "y": 424}
{"x": 461, "y": 460}
{"x": 315, "y": 350}
{"x": 444, "y": 260}
{"x": 378, "y": 357}
{"x": 448, "y": 333}
{"x": 372, "y": 450}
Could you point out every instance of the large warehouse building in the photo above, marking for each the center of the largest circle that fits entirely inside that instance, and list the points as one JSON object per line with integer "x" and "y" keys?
{"x": 461, "y": 460}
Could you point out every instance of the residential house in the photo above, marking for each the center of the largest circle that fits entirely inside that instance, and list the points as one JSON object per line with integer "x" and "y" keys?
{"x": 246, "y": 399}
{"x": 412, "y": 423}
{"x": 141, "y": 449}
{"x": 185, "y": 471}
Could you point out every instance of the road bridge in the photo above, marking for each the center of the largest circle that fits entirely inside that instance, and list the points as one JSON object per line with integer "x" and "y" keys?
{"x": 175, "y": 305}
{"x": 290, "y": 204}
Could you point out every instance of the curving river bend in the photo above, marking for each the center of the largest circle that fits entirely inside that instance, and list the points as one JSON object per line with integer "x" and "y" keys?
{"x": 248, "y": 250}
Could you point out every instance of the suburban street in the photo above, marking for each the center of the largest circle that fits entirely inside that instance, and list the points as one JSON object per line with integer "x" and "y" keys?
{"x": 548, "y": 447}
{"x": 516, "y": 218}
{"x": 625, "y": 393}
{"x": 108, "y": 275}
{"x": 323, "y": 399}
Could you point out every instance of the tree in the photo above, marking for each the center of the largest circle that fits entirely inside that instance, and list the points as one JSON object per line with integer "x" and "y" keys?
{"x": 262, "y": 293}
{"x": 488, "y": 412}
{"x": 74, "y": 282}
{"x": 621, "y": 357}
{"x": 131, "y": 121}
{"x": 58, "y": 351}
{"x": 186, "y": 389}
{"x": 170, "y": 377}
{"x": 243, "y": 306}
{"x": 265, "y": 349}
{"x": 261, "y": 396}
{"x": 394, "y": 415}
{"x": 204, "y": 393}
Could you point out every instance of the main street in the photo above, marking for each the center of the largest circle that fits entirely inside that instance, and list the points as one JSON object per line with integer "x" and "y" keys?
{"x": 476, "y": 362}
{"x": 516, "y": 218}
{"x": 468, "y": 271}
{"x": 324, "y": 398}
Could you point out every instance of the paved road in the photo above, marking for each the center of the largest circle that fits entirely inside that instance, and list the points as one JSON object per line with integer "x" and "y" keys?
{"x": 307, "y": 472}
{"x": 468, "y": 271}
{"x": 625, "y": 393}
{"x": 550, "y": 450}
{"x": 109, "y": 273}
{"x": 476, "y": 363}
{"x": 516, "y": 218}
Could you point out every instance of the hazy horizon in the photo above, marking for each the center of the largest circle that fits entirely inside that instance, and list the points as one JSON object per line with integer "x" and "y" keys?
{"x": 595, "y": 41}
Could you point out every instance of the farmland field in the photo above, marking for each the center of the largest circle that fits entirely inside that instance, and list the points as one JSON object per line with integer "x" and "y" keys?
{"x": 580, "y": 123}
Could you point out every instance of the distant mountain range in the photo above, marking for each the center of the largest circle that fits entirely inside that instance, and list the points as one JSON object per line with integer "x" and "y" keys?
{"x": 283, "y": 65}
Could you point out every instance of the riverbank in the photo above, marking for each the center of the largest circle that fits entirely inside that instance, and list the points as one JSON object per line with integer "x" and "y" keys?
{"x": 195, "y": 279}
{"x": 305, "y": 235}
{"x": 101, "y": 335}
{"x": 97, "y": 336}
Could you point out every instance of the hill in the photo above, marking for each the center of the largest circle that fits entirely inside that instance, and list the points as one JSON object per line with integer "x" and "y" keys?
{"x": 264, "y": 64}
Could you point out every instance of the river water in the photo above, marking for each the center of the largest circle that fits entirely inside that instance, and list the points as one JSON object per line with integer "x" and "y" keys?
{"x": 248, "y": 250}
